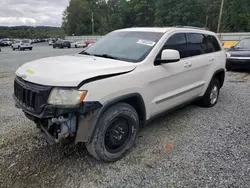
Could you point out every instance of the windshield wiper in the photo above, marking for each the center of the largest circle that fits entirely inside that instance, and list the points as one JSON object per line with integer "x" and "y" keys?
{"x": 105, "y": 56}
{"x": 85, "y": 53}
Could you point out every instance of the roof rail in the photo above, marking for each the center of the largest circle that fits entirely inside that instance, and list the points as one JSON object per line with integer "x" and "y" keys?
{"x": 190, "y": 27}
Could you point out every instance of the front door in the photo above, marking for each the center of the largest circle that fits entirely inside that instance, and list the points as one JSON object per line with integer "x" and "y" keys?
{"x": 174, "y": 83}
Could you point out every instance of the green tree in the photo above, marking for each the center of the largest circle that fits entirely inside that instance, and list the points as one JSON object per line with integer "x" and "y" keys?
{"x": 115, "y": 14}
{"x": 179, "y": 12}
{"x": 236, "y": 16}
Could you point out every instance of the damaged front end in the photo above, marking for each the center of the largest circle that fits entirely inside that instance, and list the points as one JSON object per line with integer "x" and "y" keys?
{"x": 59, "y": 129}
{"x": 56, "y": 123}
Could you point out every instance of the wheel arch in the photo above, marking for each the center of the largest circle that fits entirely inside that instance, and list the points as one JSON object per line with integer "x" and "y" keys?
{"x": 133, "y": 99}
{"x": 220, "y": 75}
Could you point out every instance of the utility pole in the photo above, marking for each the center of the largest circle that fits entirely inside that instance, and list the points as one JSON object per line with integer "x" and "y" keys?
{"x": 93, "y": 27}
{"x": 221, "y": 10}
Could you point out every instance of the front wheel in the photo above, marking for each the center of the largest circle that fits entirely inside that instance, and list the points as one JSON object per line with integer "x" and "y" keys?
{"x": 212, "y": 94}
{"x": 116, "y": 133}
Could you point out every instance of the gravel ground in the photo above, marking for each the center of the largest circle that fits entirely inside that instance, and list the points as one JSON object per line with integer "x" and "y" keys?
{"x": 191, "y": 147}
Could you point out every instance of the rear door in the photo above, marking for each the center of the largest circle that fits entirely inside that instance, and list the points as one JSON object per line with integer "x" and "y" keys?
{"x": 200, "y": 60}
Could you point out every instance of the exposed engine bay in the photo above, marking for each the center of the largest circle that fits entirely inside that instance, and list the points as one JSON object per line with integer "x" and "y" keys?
{"x": 59, "y": 128}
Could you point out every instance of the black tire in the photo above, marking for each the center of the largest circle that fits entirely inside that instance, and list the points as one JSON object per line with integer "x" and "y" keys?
{"x": 54, "y": 47}
{"x": 120, "y": 120}
{"x": 212, "y": 94}
{"x": 30, "y": 49}
{"x": 75, "y": 46}
{"x": 13, "y": 49}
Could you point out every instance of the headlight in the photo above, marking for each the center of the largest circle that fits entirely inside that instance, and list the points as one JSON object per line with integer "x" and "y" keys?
{"x": 228, "y": 55}
{"x": 66, "y": 96}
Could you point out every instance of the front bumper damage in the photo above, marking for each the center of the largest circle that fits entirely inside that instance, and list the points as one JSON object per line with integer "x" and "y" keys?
{"x": 60, "y": 124}
{"x": 57, "y": 123}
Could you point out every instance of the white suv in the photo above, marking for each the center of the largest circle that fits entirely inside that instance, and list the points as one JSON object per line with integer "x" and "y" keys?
{"x": 104, "y": 94}
{"x": 22, "y": 45}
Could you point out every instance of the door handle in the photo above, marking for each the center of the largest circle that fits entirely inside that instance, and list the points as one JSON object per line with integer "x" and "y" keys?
{"x": 187, "y": 64}
{"x": 211, "y": 59}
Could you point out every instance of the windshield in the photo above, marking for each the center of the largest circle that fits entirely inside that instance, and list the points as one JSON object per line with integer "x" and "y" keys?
{"x": 244, "y": 43}
{"x": 25, "y": 41}
{"x": 128, "y": 46}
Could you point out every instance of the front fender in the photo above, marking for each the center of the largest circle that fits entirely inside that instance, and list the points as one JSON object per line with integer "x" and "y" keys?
{"x": 87, "y": 124}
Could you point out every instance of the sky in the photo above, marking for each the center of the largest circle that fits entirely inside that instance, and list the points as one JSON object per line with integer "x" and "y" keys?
{"x": 32, "y": 12}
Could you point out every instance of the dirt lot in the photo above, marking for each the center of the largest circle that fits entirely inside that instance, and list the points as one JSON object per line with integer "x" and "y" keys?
{"x": 191, "y": 147}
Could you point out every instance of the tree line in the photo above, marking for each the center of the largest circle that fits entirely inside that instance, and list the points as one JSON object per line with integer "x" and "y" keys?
{"x": 30, "y": 32}
{"x": 109, "y": 15}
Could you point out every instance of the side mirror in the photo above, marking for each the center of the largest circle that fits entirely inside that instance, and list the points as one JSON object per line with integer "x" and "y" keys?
{"x": 232, "y": 47}
{"x": 168, "y": 56}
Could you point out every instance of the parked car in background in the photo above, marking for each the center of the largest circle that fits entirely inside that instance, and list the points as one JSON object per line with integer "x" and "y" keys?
{"x": 62, "y": 44}
{"x": 2, "y": 43}
{"x": 79, "y": 44}
{"x": 238, "y": 56}
{"x": 52, "y": 41}
{"x": 5, "y": 42}
{"x": 22, "y": 45}
{"x": 89, "y": 43}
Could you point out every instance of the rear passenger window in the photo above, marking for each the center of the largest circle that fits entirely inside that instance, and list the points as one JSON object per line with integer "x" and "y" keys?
{"x": 212, "y": 44}
{"x": 177, "y": 42}
{"x": 196, "y": 44}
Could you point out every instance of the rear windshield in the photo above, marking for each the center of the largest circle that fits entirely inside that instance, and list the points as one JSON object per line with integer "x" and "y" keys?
{"x": 244, "y": 44}
{"x": 25, "y": 41}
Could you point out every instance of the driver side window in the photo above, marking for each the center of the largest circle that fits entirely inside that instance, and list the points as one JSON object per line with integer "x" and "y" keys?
{"x": 176, "y": 42}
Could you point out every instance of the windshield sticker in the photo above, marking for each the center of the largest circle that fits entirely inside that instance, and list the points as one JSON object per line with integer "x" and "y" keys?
{"x": 146, "y": 42}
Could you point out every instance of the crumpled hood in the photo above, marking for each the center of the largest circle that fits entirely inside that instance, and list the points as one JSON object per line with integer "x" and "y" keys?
{"x": 70, "y": 71}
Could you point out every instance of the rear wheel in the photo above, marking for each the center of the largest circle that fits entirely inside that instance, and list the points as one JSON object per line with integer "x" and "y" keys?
{"x": 116, "y": 133}
{"x": 212, "y": 94}
{"x": 30, "y": 49}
